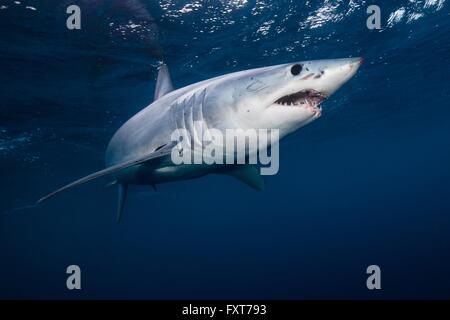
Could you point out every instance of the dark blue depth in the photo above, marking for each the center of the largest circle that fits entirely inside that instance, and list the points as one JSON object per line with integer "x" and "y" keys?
{"x": 368, "y": 183}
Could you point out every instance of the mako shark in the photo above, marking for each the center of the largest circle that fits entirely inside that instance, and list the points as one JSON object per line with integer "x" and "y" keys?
{"x": 283, "y": 97}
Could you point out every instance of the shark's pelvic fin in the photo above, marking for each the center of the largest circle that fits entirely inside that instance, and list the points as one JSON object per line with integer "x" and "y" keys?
{"x": 164, "y": 151}
{"x": 163, "y": 82}
{"x": 248, "y": 174}
{"x": 123, "y": 190}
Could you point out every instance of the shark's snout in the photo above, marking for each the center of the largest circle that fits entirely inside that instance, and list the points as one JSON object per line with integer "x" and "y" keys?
{"x": 317, "y": 80}
{"x": 336, "y": 72}
{"x": 352, "y": 65}
{"x": 356, "y": 63}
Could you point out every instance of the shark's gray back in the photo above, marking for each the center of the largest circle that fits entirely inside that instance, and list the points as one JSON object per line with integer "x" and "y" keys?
{"x": 152, "y": 127}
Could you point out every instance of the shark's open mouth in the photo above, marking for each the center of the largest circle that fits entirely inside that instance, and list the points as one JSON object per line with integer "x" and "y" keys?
{"x": 307, "y": 98}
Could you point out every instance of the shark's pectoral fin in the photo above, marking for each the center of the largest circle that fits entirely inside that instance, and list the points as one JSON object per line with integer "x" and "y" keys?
{"x": 248, "y": 174}
{"x": 123, "y": 190}
{"x": 163, "y": 151}
{"x": 163, "y": 82}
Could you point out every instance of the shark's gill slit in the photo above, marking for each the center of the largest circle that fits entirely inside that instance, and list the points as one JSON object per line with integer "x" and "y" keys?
{"x": 160, "y": 147}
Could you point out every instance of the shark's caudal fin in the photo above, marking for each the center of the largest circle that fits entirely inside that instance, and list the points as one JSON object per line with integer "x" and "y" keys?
{"x": 163, "y": 82}
{"x": 247, "y": 174}
{"x": 161, "y": 152}
{"x": 123, "y": 190}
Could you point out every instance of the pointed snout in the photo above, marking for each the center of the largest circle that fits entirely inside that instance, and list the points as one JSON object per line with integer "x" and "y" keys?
{"x": 347, "y": 63}
{"x": 355, "y": 63}
{"x": 341, "y": 71}
{"x": 348, "y": 67}
{"x": 334, "y": 73}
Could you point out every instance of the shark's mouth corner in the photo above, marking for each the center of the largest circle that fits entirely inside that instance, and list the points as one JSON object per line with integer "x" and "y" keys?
{"x": 306, "y": 98}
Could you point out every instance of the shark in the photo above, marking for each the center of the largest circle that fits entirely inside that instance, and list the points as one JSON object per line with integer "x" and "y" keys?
{"x": 284, "y": 97}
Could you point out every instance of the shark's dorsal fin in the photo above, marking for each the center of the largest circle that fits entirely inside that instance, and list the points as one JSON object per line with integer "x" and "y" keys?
{"x": 163, "y": 82}
{"x": 248, "y": 174}
{"x": 122, "y": 196}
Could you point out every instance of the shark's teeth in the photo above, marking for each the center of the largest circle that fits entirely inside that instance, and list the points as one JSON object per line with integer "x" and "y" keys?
{"x": 308, "y": 97}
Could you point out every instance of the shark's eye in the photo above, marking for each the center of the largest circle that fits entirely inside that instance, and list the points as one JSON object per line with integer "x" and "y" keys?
{"x": 296, "y": 69}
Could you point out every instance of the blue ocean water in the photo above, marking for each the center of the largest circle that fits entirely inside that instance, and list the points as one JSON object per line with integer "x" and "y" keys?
{"x": 367, "y": 183}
